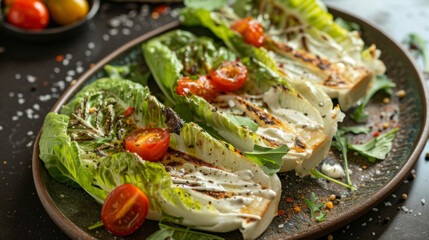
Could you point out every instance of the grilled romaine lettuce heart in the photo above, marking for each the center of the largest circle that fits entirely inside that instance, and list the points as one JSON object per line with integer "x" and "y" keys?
{"x": 283, "y": 116}
{"x": 208, "y": 183}
{"x": 304, "y": 42}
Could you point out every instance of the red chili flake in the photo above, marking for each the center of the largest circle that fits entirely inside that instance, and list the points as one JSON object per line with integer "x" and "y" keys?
{"x": 45, "y": 83}
{"x": 289, "y": 199}
{"x": 376, "y": 134}
{"x": 280, "y": 212}
{"x": 161, "y": 9}
{"x": 59, "y": 58}
{"x": 281, "y": 65}
{"x": 129, "y": 111}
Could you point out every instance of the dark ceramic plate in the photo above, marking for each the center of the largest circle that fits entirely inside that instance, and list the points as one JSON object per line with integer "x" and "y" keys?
{"x": 74, "y": 211}
{"x": 52, "y": 32}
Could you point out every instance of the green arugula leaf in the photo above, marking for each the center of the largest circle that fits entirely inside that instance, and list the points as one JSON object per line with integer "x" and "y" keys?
{"x": 318, "y": 174}
{"x": 354, "y": 129}
{"x": 341, "y": 143}
{"x": 348, "y": 25}
{"x": 315, "y": 207}
{"x": 176, "y": 232}
{"x": 96, "y": 225}
{"x": 418, "y": 45}
{"x": 378, "y": 147}
{"x": 102, "y": 140}
{"x": 205, "y": 4}
{"x": 270, "y": 159}
{"x": 382, "y": 82}
{"x": 244, "y": 121}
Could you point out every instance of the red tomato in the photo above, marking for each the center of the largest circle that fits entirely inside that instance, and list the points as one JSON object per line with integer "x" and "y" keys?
{"x": 201, "y": 87}
{"x": 129, "y": 111}
{"x": 251, "y": 31}
{"x": 150, "y": 144}
{"x": 230, "y": 76}
{"x": 28, "y": 14}
{"x": 124, "y": 210}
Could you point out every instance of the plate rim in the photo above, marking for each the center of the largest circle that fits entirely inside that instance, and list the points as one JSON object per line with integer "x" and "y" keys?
{"x": 349, "y": 215}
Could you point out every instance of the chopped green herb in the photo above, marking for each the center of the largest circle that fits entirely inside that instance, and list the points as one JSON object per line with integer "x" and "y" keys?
{"x": 315, "y": 207}
{"x": 381, "y": 82}
{"x": 378, "y": 147}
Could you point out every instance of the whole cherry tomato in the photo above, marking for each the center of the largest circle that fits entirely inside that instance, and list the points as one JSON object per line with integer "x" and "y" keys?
{"x": 201, "y": 87}
{"x": 251, "y": 31}
{"x": 229, "y": 76}
{"x": 124, "y": 210}
{"x": 66, "y": 12}
{"x": 28, "y": 14}
{"x": 150, "y": 144}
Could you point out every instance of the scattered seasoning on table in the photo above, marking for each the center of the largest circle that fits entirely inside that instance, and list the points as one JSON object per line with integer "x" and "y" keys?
{"x": 427, "y": 156}
{"x": 329, "y": 205}
{"x": 404, "y": 196}
{"x": 423, "y": 201}
{"x": 401, "y": 93}
{"x": 289, "y": 200}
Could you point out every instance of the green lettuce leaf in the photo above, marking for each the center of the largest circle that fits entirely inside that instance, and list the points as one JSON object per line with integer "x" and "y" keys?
{"x": 378, "y": 147}
{"x": 206, "y": 4}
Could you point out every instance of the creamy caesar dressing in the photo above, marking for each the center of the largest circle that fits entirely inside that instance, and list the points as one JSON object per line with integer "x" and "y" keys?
{"x": 333, "y": 171}
{"x": 277, "y": 135}
{"x": 237, "y": 189}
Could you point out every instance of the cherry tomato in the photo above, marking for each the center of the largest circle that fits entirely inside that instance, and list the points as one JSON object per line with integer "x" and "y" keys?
{"x": 201, "y": 87}
{"x": 66, "y": 12}
{"x": 230, "y": 76}
{"x": 28, "y": 14}
{"x": 251, "y": 31}
{"x": 129, "y": 111}
{"x": 124, "y": 210}
{"x": 150, "y": 144}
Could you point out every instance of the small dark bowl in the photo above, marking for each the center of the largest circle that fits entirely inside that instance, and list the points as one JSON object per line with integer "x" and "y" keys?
{"x": 52, "y": 32}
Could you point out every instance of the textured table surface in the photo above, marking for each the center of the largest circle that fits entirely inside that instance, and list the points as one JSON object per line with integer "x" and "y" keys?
{"x": 33, "y": 76}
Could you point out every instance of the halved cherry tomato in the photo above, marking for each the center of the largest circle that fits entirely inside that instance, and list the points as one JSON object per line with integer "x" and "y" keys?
{"x": 201, "y": 87}
{"x": 251, "y": 31}
{"x": 150, "y": 144}
{"x": 229, "y": 76}
{"x": 124, "y": 210}
{"x": 28, "y": 14}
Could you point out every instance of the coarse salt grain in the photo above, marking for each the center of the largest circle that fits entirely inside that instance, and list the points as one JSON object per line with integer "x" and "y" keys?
{"x": 106, "y": 37}
{"x": 29, "y": 144}
{"x": 281, "y": 225}
{"x": 14, "y": 118}
{"x": 87, "y": 53}
{"x": 20, "y": 95}
{"x": 113, "y": 31}
{"x": 66, "y": 62}
{"x": 71, "y": 72}
{"x": 19, "y": 113}
{"x": 30, "y": 133}
{"x": 126, "y": 31}
{"x": 1, "y": 127}
{"x": 79, "y": 69}
{"x": 69, "y": 56}
{"x": 57, "y": 70}
{"x": 31, "y": 78}
{"x": 405, "y": 209}
{"x": 387, "y": 204}
{"x": 11, "y": 94}
{"x": 69, "y": 78}
{"x": 21, "y": 101}
{"x": 17, "y": 76}
{"x": 423, "y": 201}
{"x": 91, "y": 45}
